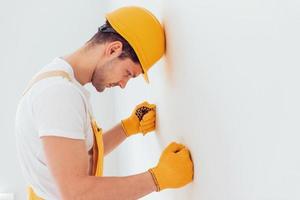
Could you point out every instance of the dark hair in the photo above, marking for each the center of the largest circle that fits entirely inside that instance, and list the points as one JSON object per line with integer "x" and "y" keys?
{"x": 107, "y": 34}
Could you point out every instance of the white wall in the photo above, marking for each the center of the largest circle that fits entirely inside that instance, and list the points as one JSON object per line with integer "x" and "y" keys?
{"x": 228, "y": 88}
{"x": 32, "y": 33}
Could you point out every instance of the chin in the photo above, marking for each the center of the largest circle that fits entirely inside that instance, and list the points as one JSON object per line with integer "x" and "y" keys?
{"x": 100, "y": 89}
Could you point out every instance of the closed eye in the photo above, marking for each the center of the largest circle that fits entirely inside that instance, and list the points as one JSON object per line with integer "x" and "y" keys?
{"x": 129, "y": 74}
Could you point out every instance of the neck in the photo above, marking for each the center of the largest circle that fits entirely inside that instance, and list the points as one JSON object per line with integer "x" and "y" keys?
{"x": 84, "y": 61}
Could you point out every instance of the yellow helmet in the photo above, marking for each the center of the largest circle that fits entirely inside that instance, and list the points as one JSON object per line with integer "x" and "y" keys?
{"x": 142, "y": 31}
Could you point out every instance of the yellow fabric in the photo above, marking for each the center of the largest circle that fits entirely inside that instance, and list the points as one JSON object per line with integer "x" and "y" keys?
{"x": 142, "y": 31}
{"x": 32, "y": 195}
{"x": 98, "y": 144}
{"x": 98, "y": 147}
{"x": 175, "y": 167}
{"x": 47, "y": 75}
{"x": 142, "y": 120}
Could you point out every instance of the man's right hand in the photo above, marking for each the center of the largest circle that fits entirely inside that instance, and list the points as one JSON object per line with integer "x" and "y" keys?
{"x": 142, "y": 120}
{"x": 175, "y": 168}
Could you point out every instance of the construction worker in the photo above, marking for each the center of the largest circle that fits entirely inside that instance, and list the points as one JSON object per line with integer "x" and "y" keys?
{"x": 60, "y": 145}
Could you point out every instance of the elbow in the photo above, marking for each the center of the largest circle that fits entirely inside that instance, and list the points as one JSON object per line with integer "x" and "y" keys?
{"x": 69, "y": 194}
{"x": 76, "y": 189}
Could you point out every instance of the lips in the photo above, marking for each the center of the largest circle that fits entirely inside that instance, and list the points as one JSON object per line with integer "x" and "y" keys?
{"x": 112, "y": 85}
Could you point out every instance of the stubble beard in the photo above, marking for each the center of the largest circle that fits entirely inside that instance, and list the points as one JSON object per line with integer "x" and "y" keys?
{"x": 98, "y": 80}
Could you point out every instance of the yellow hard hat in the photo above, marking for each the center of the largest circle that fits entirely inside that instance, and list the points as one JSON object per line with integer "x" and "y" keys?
{"x": 142, "y": 31}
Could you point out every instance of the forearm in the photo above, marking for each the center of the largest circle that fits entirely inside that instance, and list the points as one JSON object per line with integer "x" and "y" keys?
{"x": 110, "y": 188}
{"x": 112, "y": 138}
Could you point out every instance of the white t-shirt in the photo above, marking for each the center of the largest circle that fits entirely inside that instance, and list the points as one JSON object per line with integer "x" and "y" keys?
{"x": 54, "y": 106}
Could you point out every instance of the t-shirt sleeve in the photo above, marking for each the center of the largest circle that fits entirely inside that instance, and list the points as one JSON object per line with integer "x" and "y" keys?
{"x": 60, "y": 110}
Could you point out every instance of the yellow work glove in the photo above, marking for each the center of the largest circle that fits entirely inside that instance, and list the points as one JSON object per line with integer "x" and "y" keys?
{"x": 174, "y": 169}
{"x": 142, "y": 120}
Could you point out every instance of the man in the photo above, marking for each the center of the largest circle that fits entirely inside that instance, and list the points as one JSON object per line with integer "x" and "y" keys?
{"x": 60, "y": 144}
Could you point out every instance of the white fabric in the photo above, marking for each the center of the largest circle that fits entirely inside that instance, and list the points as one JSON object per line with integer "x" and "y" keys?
{"x": 54, "y": 106}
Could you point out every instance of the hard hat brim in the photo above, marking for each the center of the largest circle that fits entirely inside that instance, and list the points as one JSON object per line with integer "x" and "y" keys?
{"x": 145, "y": 75}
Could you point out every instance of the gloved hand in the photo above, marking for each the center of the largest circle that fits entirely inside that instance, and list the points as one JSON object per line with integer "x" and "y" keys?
{"x": 142, "y": 120}
{"x": 175, "y": 168}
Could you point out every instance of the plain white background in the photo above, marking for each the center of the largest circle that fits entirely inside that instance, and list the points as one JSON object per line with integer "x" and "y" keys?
{"x": 228, "y": 88}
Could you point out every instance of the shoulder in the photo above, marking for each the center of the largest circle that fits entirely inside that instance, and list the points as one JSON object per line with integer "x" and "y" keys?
{"x": 59, "y": 109}
{"x": 56, "y": 91}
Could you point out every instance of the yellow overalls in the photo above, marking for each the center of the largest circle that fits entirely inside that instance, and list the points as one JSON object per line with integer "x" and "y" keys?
{"x": 97, "y": 150}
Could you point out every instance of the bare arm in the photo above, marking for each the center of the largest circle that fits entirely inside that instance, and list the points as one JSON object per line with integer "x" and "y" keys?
{"x": 67, "y": 160}
{"x": 112, "y": 138}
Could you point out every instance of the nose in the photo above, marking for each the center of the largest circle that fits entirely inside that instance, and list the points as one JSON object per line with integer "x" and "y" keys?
{"x": 123, "y": 83}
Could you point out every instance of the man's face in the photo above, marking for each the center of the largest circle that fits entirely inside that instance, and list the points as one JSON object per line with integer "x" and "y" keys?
{"x": 115, "y": 72}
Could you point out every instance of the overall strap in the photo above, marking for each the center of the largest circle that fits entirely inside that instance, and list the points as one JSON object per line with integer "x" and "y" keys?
{"x": 45, "y": 75}
{"x": 49, "y": 74}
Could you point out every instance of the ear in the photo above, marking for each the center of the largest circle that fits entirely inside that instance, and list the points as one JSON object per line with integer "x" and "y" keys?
{"x": 114, "y": 49}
